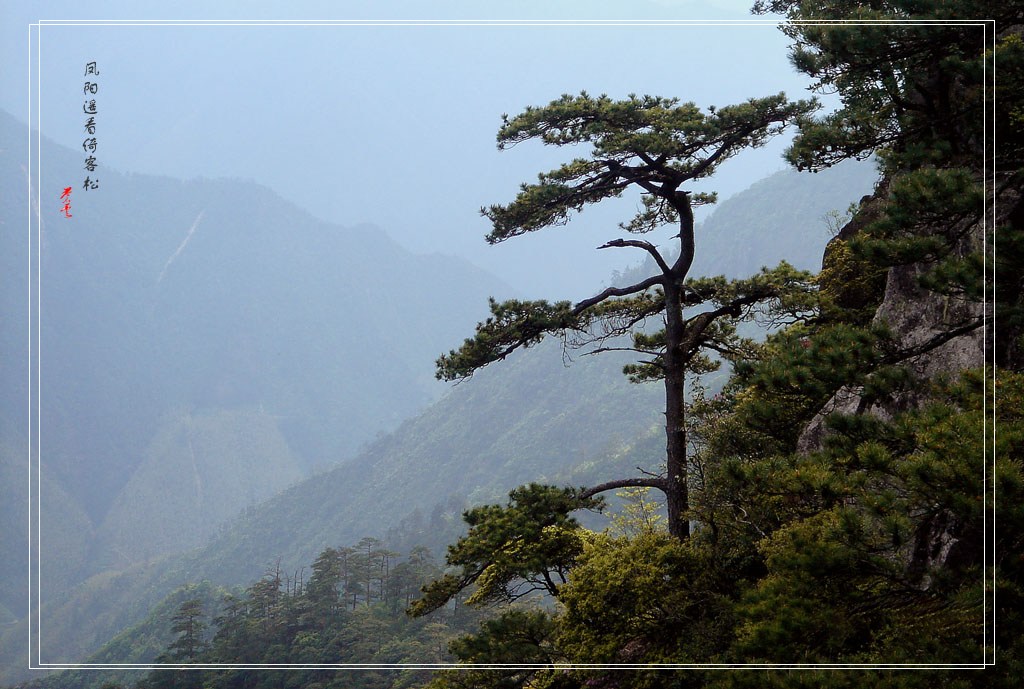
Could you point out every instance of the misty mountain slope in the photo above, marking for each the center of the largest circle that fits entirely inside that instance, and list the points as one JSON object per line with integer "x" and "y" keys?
{"x": 526, "y": 419}
{"x": 215, "y": 297}
{"x": 532, "y": 419}
{"x": 199, "y": 460}
{"x": 141, "y": 642}
{"x": 66, "y": 531}
{"x": 76, "y": 625}
{"x": 238, "y": 300}
{"x": 784, "y": 216}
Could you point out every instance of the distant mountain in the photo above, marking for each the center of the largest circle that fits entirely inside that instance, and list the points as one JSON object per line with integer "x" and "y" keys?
{"x": 198, "y": 459}
{"x": 203, "y": 345}
{"x": 530, "y": 418}
{"x": 786, "y": 216}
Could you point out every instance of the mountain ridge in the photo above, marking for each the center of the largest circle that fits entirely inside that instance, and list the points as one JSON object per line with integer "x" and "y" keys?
{"x": 527, "y": 433}
{"x": 207, "y": 297}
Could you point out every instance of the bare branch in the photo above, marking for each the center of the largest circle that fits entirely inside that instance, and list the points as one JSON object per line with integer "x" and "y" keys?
{"x": 934, "y": 342}
{"x": 728, "y": 145}
{"x": 602, "y": 350}
{"x": 521, "y": 591}
{"x": 658, "y": 164}
{"x": 723, "y": 350}
{"x": 552, "y": 588}
{"x": 640, "y": 244}
{"x": 641, "y": 286}
{"x": 660, "y": 483}
{"x": 633, "y": 176}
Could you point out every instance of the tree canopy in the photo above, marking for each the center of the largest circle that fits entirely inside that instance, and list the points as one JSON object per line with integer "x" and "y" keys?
{"x": 656, "y": 146}
{"x": 843, "y": 480}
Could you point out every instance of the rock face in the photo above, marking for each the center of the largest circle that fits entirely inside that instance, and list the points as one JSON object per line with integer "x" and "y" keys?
{"x": 939, "y": 331}
{"x": 943, "y": 337}
{"x": 920, "y": 319}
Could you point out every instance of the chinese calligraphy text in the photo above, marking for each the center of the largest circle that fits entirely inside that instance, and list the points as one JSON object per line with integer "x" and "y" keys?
{"x": 90, "y": 144}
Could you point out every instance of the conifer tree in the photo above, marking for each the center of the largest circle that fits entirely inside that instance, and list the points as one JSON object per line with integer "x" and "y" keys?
{"x": 188, "y": 624}
{"x": 657, "y": 146}
{"x": 929, "y": 95}
{"x": 866, "y": 547}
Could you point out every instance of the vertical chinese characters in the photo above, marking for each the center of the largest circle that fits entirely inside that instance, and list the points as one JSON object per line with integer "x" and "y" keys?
{"x": 89, "y": 108}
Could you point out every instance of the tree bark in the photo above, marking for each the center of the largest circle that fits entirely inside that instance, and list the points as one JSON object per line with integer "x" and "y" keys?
{"x": 647, "y": 482}
{"x": 676, "y": 487}
{"x": 676, "y": 493}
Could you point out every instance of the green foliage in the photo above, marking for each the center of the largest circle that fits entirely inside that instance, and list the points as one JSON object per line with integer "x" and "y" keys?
{"x": 914, "y": 93}
{"x": 513, "y": 323}
{"x": 515, "y": 636}
{"x": 1007, "y": 99}
{"x": 511, "y": 551}
{"x": 653, "y": 144}
{"x": 828, "y": 557}
{"x": 794, "y": 374}
{"x": 637, "y": 515}
{"x": 773, "y": 295}
{"x": 350, "y": 611}
{"x": 139, "y": 643}
{"x": 914, "y": 88}
{"x": 868, "y": 551}
{"x": 851, "y": 287}
{"x": 926, "y": 219}
{"x": 887, "y": 552}
{"x": 623, "y": 133}
{"x": 1006, "y": 292}
{"x": 189, "y": 626}
{"x": 650, "y": 598}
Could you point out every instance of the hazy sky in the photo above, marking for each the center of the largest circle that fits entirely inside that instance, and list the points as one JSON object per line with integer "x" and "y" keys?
{"x": 391, "y": 125}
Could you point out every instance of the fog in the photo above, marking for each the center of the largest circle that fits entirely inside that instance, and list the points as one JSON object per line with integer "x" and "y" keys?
{"x": 282, "y": 235}
{"x": 388, "y": 123}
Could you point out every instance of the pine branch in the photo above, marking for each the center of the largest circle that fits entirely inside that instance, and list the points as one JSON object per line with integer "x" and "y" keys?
{"x": 661, "y": 483}
{"x": 641, "y": 286}
{"x": 646, "y": 246}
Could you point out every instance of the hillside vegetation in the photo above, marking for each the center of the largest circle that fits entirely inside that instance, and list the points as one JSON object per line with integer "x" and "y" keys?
{"x": 823, "y": 503}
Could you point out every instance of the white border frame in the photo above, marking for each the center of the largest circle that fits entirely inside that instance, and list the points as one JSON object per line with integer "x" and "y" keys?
{"x": 35, "y": 460}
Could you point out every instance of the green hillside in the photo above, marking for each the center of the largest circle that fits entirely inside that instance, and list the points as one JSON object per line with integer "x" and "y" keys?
{"x": 209, "y": 300}
{"x": 537, "y": 417}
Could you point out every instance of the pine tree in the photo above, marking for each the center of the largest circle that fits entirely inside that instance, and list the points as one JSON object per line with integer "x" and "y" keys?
{"x": 864, "y": 546}
{"x": 657, "y": 146}
{"x": 188, "y": 624}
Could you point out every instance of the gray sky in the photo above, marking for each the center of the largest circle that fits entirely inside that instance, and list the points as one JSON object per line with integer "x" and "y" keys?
{"x": 391, "y": 125}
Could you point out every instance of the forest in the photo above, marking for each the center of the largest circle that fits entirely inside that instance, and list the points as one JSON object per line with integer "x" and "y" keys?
{"x": 833, "y": 493}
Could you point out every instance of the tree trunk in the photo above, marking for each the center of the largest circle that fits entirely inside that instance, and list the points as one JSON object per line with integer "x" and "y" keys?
{"x": 676, "y": 489}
